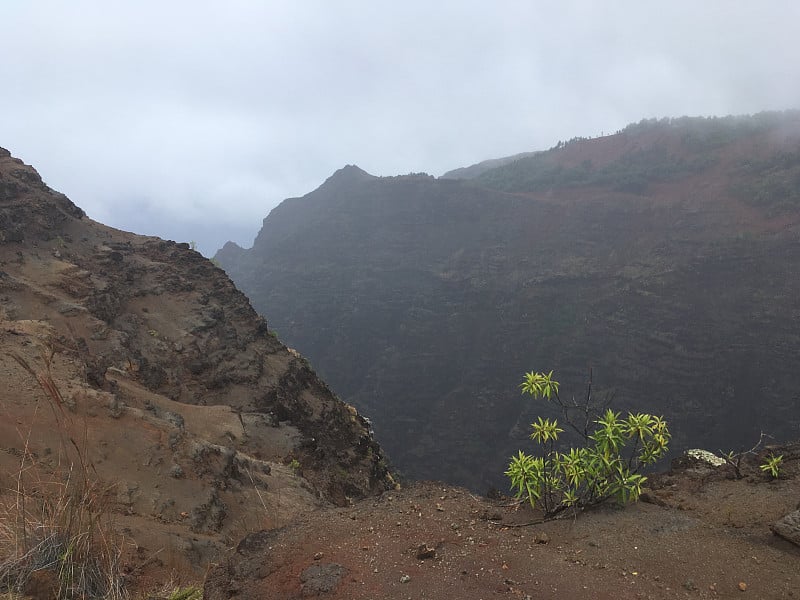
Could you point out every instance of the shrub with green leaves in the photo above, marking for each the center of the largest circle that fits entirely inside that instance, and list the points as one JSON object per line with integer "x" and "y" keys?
{"x": 772, "y": 465}
{"x": 608, "y": 466}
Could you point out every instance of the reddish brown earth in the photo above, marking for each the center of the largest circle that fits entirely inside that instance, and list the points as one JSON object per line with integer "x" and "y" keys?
{"x": 699, "y": 534}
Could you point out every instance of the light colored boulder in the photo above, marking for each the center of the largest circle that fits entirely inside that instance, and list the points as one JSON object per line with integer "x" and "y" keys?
{"x": 704, "y": 456}
{"x": 788, "y": 527}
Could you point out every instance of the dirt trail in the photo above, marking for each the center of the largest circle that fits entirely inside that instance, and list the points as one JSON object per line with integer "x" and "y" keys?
{"x": 698, "y": 535}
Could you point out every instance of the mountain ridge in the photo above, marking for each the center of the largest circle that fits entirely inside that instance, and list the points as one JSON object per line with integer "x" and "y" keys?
{"x": 423, "y": 301}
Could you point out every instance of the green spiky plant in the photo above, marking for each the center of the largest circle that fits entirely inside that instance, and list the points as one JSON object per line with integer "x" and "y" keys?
{"x": 736, "y": 459}
{"x": 772, "y": 465}
{"x": 608, "y": 465}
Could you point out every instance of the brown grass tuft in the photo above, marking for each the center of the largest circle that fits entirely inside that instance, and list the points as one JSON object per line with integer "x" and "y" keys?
{"x": 56, "y": 535}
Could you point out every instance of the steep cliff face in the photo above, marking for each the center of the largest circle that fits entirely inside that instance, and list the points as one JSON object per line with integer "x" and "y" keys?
{"x": 180, "y": 388}
{"x": 662, "y": 257}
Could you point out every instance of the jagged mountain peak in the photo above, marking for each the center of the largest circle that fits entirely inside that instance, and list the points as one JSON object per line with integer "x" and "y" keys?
{"x": 30, "y": 210}
{"x": 231, "y": 250}
{"x": 348, "y": 174}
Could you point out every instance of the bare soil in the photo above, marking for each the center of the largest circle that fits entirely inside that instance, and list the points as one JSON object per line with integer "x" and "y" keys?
{"x": 699, "y": 534}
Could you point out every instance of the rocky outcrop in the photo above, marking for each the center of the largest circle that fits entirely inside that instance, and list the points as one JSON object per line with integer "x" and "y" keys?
{"x": 191, "y": 408}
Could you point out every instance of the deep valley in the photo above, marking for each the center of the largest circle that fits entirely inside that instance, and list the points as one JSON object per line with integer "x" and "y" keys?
{"x": 663, "y": 258}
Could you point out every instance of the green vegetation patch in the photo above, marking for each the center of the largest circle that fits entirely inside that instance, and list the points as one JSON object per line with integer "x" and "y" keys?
{"x": 698, "y": 139}
{"x": 772, "y": 184}
{"x": 631, "y": 173}
{"x": 608, "y": 465}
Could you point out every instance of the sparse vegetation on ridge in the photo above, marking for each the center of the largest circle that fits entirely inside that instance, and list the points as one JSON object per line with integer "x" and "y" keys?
{"x": 699, "y": 138}
{"x": 632, "y": 173}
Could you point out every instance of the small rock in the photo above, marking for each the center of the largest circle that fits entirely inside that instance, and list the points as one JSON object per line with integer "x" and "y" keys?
{"x": 405, "y": 578}
{"x": 321, "y": 578}
{"x": 318, "y": 556}
{"x": 743, "y": 586}
{"x": 542, "y": 538}
{"x": 649, "y": 498}
{"x": 424, "y": 552}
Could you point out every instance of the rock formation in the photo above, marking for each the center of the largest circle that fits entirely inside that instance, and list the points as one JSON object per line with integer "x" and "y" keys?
{"x": 135, "y": 362}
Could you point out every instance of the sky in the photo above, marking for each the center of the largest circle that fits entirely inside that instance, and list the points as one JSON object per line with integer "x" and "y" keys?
{"x": 191, "y": 120}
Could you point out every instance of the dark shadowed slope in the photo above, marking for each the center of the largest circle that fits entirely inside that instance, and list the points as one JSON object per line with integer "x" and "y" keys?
{"x": 665, "y": 257}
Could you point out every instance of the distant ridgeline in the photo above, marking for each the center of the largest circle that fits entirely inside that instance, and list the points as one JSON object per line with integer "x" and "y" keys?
{"x": 665, "y": 257}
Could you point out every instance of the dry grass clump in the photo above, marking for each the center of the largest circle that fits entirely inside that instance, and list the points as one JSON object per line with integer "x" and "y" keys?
{"x": 60, "y": 539}
{"x": 56, "y": 535}
{"x": 181, "y": 593}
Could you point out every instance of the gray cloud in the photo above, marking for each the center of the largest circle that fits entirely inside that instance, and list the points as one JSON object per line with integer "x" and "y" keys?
{"x": 191, "y": 120}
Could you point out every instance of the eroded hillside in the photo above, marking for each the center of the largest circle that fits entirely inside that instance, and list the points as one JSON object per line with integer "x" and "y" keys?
{"x": 136, "y": 362}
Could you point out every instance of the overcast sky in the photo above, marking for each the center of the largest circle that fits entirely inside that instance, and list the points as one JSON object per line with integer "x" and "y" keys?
{"x": 192, "y": 119}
